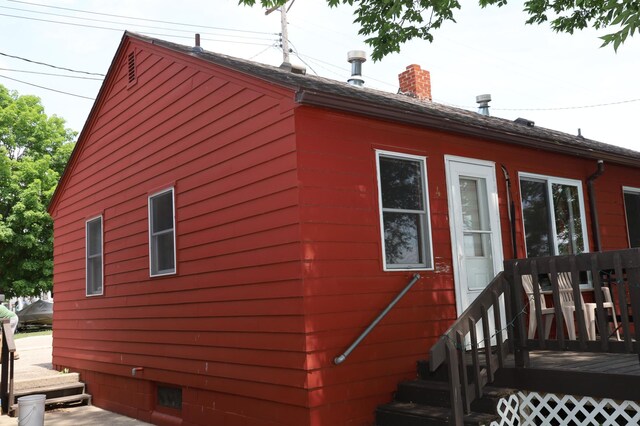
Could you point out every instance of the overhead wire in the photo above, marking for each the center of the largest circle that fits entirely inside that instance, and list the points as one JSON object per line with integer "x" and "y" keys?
{"x": 295, "y": 52}
{"x": 47, "y": 88}
{"x": 568, "y": 108}
{"x": 120, "y": 30}
{"x": 49, "y": 65}
{"x": 139, "y": 19}
{"x": 262, "y": 51}
{"x": 52, "y": 74}
{"x": 124, "y": 23}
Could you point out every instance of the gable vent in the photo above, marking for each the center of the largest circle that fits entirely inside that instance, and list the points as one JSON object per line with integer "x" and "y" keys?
{"x": 132, "y": 68}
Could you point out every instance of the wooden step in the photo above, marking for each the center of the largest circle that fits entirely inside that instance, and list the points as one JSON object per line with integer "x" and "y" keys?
{"x": 65, "y": 388}
{"x": 436, "y": 393}
{"x": 81, "y": 398}
{"x": 412, "y": 414}
{"x": 70, "y": 399}
{"x": 45, "y": 381}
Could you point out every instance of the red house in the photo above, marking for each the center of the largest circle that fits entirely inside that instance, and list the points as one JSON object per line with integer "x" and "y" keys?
{"x": 225, "y": 229}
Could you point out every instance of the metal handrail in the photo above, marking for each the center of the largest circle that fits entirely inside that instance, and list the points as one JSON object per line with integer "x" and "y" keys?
{"x": 340, "y": 358}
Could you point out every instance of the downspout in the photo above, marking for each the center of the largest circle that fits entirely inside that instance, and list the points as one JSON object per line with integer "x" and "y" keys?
{"x": 512, "y": 211}
{"x": 592, "y": 205}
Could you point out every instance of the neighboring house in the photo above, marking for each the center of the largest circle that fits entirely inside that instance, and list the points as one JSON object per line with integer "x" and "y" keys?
{"x": 224, "y": 229}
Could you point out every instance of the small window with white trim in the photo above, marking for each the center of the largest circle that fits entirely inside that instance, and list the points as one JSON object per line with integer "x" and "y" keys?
{"x": 632, "y": 212}
{"x": 404, "y": 211}
{"x": 93, "y": 241}
{"x": 162, "y": 243}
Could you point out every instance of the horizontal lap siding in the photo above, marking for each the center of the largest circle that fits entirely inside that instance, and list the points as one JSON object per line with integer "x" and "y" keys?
{"x": 345, "y": 287}
{"x": 231, "y": 321}
{"x": 611, "y": 209}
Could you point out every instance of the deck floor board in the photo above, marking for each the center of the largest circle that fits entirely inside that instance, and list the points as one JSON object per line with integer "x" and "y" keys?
{"x": 603, "y": 375}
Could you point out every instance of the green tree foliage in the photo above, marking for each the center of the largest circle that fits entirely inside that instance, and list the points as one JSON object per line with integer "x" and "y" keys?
{"x": 34, "y": 150}
{"x": 390, "y": 23}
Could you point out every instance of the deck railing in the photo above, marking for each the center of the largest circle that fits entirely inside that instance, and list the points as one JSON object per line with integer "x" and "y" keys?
{"x": 472, "y": 363}
{"x": 468, "y": 375}
{"x": 6, "y": 380}
{"x": 592, "y": 277}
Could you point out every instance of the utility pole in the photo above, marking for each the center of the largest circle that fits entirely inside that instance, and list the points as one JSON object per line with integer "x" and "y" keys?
{"x": 284, "y": 33}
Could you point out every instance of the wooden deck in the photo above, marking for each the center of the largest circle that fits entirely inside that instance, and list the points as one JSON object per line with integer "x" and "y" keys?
{"x": 600, "y": 375}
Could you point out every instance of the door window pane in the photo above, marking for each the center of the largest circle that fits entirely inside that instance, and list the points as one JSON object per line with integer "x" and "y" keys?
{"x": 470, "y": 204}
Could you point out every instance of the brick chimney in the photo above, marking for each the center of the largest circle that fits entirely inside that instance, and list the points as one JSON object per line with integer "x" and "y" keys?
{"x": 415, "y": 82}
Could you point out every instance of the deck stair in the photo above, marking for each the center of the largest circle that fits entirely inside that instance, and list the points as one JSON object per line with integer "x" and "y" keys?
{"x": 426, "y": 401}
{"x": 60, "y": 389}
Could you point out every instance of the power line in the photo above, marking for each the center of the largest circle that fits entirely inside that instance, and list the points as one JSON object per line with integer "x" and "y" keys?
{"x": 303, "y": 61}
{"x": 119, "y": 23}
{"x": 138, "y": 19}
{"x": 565, "y": 108}
{"x": 120, "y": 30}
{"x": 49, "y": 65}
{"x": 52, "y": 74}
{"x": 395, "y": 86}
{"x": 261, "y": 52}
{"x": 47, "y": 88}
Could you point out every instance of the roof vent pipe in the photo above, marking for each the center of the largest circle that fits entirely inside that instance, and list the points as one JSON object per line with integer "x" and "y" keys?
{"x": 483, "y": 104}
{"x": 197, "y": 47}
{"x": 356, "y": 58}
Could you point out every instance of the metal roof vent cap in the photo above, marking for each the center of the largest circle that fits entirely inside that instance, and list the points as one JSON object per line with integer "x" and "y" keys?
{"x": 197, "y": 48}
{"x": 356, "y": 58}
{"x": 525, "y": 122}
{"x": 483, "y": 104}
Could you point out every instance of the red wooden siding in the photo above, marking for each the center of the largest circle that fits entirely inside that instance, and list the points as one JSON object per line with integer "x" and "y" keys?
{"x": 229, "y": 326}
{"x": 345, "y": 286}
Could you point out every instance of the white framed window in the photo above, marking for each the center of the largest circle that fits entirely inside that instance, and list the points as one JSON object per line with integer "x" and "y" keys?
{"x": 404, "y": 211}
{"x": 94, "y": 258}
{"x": 632, "y": 213}
{"x": 553, "y": 215}
{"x": 162, "y": 237}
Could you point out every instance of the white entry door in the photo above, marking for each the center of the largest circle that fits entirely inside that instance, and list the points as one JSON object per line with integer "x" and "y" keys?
{"x": 475, "y": 226}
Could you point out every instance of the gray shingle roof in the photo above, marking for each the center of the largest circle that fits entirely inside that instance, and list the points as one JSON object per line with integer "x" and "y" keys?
{"x": 446, "y": 117}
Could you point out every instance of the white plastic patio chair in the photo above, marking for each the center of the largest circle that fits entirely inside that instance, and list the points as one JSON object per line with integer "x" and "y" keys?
{"x": 589, "y": 309}
{"x": 547, "y": 313}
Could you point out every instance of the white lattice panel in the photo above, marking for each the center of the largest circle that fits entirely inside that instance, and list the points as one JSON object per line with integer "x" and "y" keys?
{"x": 508, "y": 410}
{"x": 535, "y": 409}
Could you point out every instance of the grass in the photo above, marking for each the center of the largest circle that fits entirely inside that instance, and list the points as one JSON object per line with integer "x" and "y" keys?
{"x": 28, "y": 333}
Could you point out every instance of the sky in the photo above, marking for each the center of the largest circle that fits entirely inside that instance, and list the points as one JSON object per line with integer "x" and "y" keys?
{"x": 559, "y": 81}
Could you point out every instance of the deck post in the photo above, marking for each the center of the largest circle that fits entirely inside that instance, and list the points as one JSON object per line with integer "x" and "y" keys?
{"x": 520, "y": 351}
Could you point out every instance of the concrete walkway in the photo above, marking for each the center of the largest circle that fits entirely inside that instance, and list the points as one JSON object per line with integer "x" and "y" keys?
{"x": 35, "y": 363}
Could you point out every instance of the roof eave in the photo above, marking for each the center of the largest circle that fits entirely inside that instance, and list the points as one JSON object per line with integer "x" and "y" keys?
{"x": 424, "y": 119}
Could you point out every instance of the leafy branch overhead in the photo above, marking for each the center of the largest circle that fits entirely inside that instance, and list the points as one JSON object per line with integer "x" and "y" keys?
{"x": 390, "y": 23}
